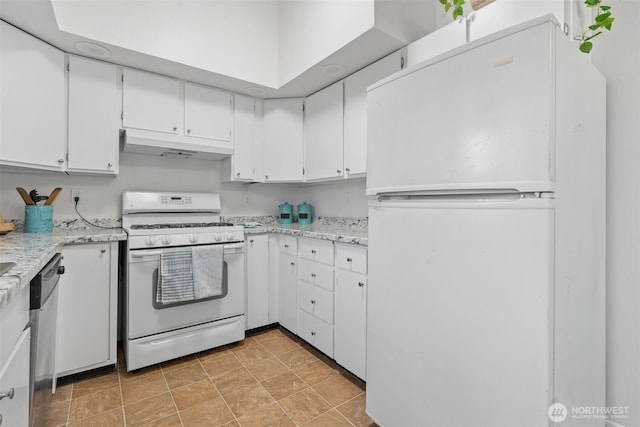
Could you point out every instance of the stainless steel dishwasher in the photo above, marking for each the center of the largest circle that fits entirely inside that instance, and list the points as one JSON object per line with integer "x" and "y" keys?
{"x": 43, "y": 314}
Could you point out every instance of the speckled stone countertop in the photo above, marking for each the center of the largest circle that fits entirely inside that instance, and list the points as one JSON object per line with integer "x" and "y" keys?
{"x": 346, "y": 230}
{"x": 31, "y": 252}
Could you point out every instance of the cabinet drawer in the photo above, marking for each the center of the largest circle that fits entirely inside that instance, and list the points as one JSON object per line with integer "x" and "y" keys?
{"x": 317, "y": 250}
{"x": 13, "y": 319}
{"x": 316, "y": 332}
{"x": 351, "y": 257}
{"x": 14, "y": 374}
{"x": 288, "y": 245}
{"x": 316, "y": 273}
{"x": 316, "y": 301}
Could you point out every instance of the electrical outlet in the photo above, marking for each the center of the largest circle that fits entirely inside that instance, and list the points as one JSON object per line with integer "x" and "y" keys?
{"x": 76, "y": 193}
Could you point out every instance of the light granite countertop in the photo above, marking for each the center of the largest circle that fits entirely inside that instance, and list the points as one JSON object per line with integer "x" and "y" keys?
{"x": 32, "y": 251}
{"x": 335, "y": 233}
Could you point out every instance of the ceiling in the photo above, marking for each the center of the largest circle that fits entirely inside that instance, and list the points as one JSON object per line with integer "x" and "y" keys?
{"x": 266, "y": 48}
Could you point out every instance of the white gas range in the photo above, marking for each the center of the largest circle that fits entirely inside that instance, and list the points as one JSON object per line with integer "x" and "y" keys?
{"x": 161, "y": 225}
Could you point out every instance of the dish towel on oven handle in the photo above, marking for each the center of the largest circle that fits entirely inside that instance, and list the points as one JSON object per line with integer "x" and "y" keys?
{"x": 208, "y": 263}
{"x": 175, "y": 279}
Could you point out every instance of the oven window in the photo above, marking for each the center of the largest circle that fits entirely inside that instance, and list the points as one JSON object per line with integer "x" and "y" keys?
{"x": 159, "y": 306}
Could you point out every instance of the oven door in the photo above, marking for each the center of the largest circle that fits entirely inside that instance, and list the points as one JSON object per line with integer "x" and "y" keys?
{"x": 145, "y": 318}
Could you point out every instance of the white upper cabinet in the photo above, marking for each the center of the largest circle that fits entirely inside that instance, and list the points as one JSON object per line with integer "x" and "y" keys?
{"x": 33, "y": 110}
{"x": 323, "y": 142}
{"x": 245, "y": 163}
{"x": 507, "y": 13}
{"x": 440, "y": 41}
{"x": 151, "y": 102}
{"x": 283, "y": 138}
{"x": 355, "y": 111}
{"x": 207, "y": 112}
{"x": 94, "y": 116}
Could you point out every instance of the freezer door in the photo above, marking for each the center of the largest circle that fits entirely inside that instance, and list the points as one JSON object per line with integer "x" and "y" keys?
{"x": 480, "y": 119}
{"x": 459, "y": 314}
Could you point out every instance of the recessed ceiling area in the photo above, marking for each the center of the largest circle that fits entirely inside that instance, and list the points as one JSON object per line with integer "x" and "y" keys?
{"x": 281, "y": 48}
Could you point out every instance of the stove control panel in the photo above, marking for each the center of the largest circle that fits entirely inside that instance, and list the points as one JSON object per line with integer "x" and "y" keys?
{"x": 184, "y": 239}
{"x": 176, "y": 200}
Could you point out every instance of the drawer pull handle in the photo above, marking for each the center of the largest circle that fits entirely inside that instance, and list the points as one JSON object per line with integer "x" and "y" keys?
{"x": 313, "y": 275}
{"x": 313, "y": 333}
{"x": 313, "y": 301}
{"x": 286, "y": 246}
{"x": 8, "y": 394}
{"x": 293, "y": 263}
{"x": 349, "y": 259}
{"x": 360, "y": 284}
{"x": 313, "y": 251}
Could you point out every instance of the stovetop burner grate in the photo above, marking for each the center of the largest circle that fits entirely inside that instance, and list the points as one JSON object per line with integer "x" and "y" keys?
{"x": 180, "y": 225}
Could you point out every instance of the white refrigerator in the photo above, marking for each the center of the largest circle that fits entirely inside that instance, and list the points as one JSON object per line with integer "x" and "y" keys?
{"x": 486, "y": 186}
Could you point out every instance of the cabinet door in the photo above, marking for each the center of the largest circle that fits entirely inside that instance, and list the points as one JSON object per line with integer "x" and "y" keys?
{"x": 151, "y": 102}
{"x": 84, "y": 308}
{"x": 323, "y": 156}
{"x": 351, "y": 321}
{"x": 94, "y": 116}
{"x": 288, "y": 292}
{"x": 355, "y": 111}
{"x": 257, "y": 281}
{"x": 243, "y": 138}
{"x": 283, "y": 136}
{"x": 14, "y": 376}
{"x": 503, "y": 14}
{"x": 207, "y": 112}
{"x": 33, "y": 106}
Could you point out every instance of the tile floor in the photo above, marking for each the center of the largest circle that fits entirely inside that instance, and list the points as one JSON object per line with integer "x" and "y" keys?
{"x": 269, "y": 379}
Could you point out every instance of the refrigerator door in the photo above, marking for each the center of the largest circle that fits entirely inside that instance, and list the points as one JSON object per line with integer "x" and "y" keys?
{"x": 460, "y": 313}
{"x": 479, "y": 118}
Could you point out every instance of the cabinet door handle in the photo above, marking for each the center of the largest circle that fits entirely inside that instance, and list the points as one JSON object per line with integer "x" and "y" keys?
{"x": 339, "y": 171}
{"x": 61, "y": 161}
{"x": 313, "y": 301}
{"x": 266, "y": 177}
{"x": 175, "y": 128}
{"x": 188, "y": 130}
{"x": 293, "y": 263}
{"x": 349, "y": 259}
{"x": 313, "y": 334}
{"x": 8, "y": 394}
{"x": 286, "y": 246}
{"x": 103, "y": 251}
{"x": 313, "y": 275}
{"x": 313, "y": 251}
{"x": 360, "y": 284}
{"x": 237, "y": 173}
{"x": 348, "y": 170}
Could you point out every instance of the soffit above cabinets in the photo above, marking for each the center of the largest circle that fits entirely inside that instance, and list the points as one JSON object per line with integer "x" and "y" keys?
{"x": 279, "y": 46}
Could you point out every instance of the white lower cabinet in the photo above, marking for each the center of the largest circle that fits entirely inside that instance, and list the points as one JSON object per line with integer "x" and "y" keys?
{"x": 288, "y": 285}
{"x": 87, "y": 308}
{"x": 257, "y": 256}
{"x": 14, "y": 384}
{"x": 316, "y": 332}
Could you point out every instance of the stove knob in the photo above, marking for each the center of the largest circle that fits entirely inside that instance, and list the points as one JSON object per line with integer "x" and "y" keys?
{"x": 151, "y": 241}
{"x": 193, "y": 238}
{"x": 166, "y": 240}
{"x": 218, "y": 237}
{"x": 229, "y": 236}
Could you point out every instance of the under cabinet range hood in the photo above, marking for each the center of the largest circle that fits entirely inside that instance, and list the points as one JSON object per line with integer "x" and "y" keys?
{"x": 170, "y": 145}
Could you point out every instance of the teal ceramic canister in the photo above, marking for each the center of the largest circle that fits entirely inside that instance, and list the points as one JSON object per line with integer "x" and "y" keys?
{"x": 38, "y": 219}
{"x": 285, "y": 215}
{"x": 305, "y": 213}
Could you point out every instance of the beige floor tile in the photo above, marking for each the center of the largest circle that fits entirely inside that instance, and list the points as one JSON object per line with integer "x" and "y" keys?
{"x": 170, "y": 421}
{"x": 189, "y": 375}
{"x": 234, "y": 380}
{"x": 150, "y": 409}
{"x": 231, "y": 424}
{"x": 63, "y": 393}
{"x": 280, "y": 345}
{"x": 315, "y": 372}
{"x": 111, "y": 418}
{"x": 267, "y": 368}
{"x": 91, "y": 385}
{"x": 179, "y": 363}
{"x": 140, "y": 373}
{"x": 247, "y": 342}
{"x": 212, "y": 413}
{"x": 299, "y": 357}
{"x": 354, "y": 411}
{"x": 220, "y": 364}
{"x": 284, "y": 385}
{"x": 329, "y": 419}
{"x": 268, "y": 416}
{"x": 247, "y": 399}
{"x": 193, "y": 394}
{"x": 249, "y": 355}
{"x": 143, "y": 388}
{"x": 337, "y": 390}
{"x": 58, "y": 413}
{"x": 213, "y": 353}
{"x": 304, "y": 406}
{"x": 92, "y": 404}
{"x": 267, "y": 335}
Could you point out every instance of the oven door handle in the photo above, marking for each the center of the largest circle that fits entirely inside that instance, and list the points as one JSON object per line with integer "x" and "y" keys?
{"x": 145, "y": 254}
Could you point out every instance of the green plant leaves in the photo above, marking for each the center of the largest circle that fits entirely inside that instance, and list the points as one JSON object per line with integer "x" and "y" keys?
{"x": 586, "y": 47}
{"x": 603, "y": 20}
{"x": 456, "y": 5}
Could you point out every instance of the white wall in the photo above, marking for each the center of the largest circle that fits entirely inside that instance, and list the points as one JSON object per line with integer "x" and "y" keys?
{"x": 617, "y": 56}
{"x": 103, "y": 195}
